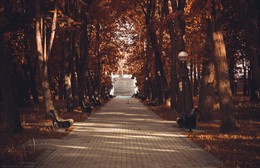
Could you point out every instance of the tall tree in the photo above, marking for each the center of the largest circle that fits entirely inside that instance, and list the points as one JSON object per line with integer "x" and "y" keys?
{"x": 179, "y": 27}
{"x": 160, "y": 79}
{"x": 250, "y": 16}
{"x": 44, "y": 51}
{"x": 207, "y": 91}
{"x": 197, "y": 33}
{"x": 10, "y": 104}
{"x": 173, "y": 82}
{"x": 82, "y": 60}
{"x": 221, "y": 67}
{"x": 8, "y": 25}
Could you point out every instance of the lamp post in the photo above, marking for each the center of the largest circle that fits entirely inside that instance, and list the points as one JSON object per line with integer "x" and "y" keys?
{"x": 183, "y": 56}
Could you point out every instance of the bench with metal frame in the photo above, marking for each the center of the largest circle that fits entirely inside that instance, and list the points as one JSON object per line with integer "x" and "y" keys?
{"x": 86, "y": 108}
{"x": 58, "y": 121}
{"x": 188, "y": 121}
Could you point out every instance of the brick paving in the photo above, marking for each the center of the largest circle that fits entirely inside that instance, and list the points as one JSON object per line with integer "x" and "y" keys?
{"x": 124, "y": 134}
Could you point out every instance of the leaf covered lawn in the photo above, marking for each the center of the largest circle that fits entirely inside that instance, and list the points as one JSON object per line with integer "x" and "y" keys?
{"x": 239, "y": 149}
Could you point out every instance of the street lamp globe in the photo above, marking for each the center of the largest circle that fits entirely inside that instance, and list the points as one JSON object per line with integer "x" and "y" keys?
{"x": 183, "y": 56}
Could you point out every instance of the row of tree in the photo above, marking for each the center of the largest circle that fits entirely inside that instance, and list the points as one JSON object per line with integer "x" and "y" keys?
{"x": 56, "y": 48}
{"x": 198, "y": 27}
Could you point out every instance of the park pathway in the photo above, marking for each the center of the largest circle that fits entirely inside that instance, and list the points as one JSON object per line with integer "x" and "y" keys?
{"x": 124, "y": 134}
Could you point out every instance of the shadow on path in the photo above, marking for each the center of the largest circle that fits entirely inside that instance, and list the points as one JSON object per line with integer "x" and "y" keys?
{"x": 124, "y": 133}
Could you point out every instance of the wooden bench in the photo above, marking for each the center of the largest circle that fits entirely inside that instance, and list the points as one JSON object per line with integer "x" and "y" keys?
{"x": 96, "y": 102}
{"x": 153, "y": 103}
{"x": 188, "y": 121}
{"x": 86, "y": 108}
{"x": 60, "y": 122}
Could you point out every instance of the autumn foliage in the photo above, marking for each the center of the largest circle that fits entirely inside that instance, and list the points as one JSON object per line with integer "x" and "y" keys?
{"x": 65, "y": 51}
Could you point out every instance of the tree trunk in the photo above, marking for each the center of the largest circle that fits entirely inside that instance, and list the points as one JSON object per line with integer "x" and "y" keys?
{"x": 245, "y": 78}
{"x": 63, "y": 68}
{"x": 81, "y": 66}
{"x": 223, "y": 84}
{"x": 61, "y": 80}
{"x": 147, "y": 91}
{"x": 99, "y": 70}
{"x": 222, "y": 76}
{"x": 148, "y": 79}
{"x": 31, "y": 73}
{"x": 72, "y": 59}
{"x": 191, "y": 75}
{"x": 208, "y": 86}
{"x": 10, "y": 105}
{"x": 195, "y": 80}
{"x": 21, "y": 89}
{"x": 159, "y": 70}
{"x": 250, "y": 15}
{"x": 43, "y": 56}
{"x": 232, "y": 74}
{"x": 72, "y": 71}
{"x": 179, "y": 25}
{"x": 173, "y": 82}
{"x": 69, "y": 98}
{"x": 186, "y": 102}
{"x": 207, "y": 91}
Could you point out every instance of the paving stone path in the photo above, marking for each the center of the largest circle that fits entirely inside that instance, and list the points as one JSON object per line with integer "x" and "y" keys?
{"x": 124, "y": 134}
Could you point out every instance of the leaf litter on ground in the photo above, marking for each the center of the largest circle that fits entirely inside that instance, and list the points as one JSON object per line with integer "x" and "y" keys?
{"x": 36, "y": 125}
